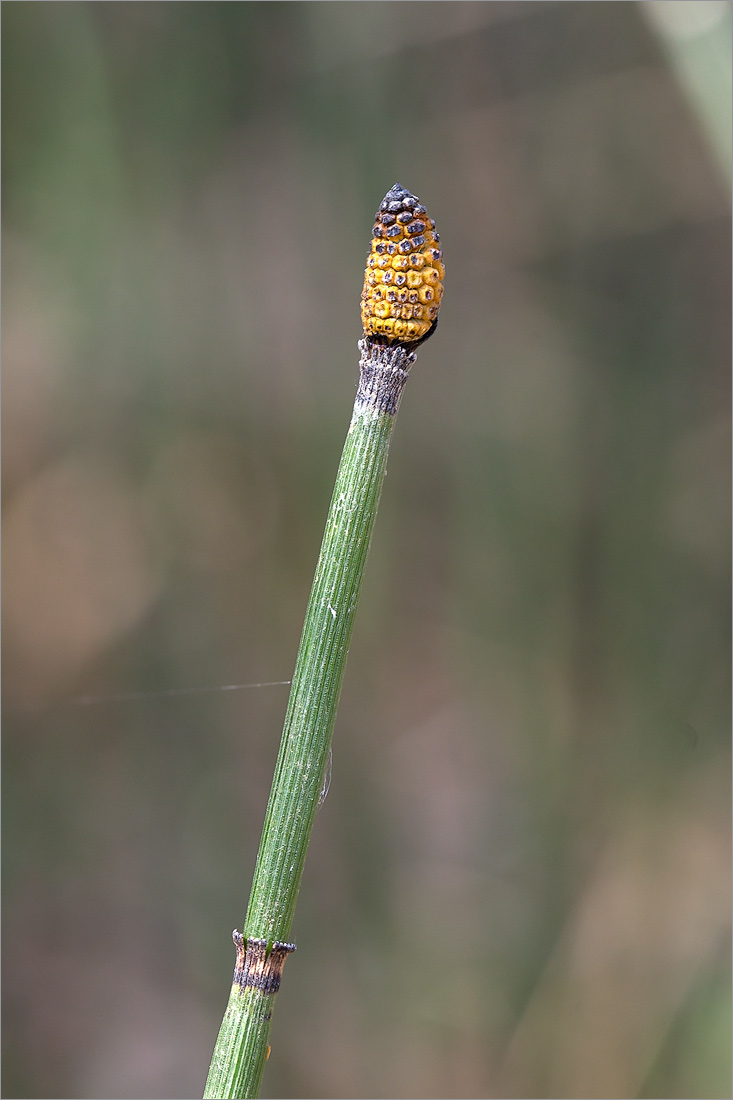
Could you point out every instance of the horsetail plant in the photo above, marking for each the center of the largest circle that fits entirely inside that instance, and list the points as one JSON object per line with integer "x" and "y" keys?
{"x": 403, "y": 286}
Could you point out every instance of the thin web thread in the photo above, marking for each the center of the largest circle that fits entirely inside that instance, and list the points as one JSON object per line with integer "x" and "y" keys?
{"x": 134, "y": 696}
{"x": 130, "y": 696}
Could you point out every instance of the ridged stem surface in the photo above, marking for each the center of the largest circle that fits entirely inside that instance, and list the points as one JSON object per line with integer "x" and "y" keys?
{"x": 241, "y": 1049}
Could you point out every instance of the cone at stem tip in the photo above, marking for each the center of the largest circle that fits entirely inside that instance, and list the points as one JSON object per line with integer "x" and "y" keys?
{"x": 403, "y": 281}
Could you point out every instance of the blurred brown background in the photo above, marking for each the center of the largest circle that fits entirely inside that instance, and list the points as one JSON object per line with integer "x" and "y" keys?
{"x": 519, "y": 884}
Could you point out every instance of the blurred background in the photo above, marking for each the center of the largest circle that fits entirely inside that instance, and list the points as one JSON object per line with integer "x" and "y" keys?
{"x": 519, "y": 884}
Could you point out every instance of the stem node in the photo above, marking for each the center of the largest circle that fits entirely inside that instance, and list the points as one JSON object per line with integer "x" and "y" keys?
{"x": 256, "y": 967}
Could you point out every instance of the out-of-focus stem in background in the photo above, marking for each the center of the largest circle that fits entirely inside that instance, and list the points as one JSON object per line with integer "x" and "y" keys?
{"x": 696, "y": 36}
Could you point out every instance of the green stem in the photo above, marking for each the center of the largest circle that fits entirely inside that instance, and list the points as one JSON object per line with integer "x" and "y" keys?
{"x": 242, "y": 1046}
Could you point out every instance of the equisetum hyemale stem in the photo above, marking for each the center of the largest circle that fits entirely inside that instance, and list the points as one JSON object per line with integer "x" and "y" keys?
{"x": 403, "y": 285}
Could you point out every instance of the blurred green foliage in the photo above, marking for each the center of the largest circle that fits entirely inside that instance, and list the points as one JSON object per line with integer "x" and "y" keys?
{"x": 519, "y": 884}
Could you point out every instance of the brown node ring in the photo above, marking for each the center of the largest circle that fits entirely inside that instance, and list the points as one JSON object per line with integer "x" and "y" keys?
{"x": 256, "y": 967}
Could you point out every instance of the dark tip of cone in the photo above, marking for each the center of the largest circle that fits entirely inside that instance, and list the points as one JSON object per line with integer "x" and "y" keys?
{"x": 397, "y": 192}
